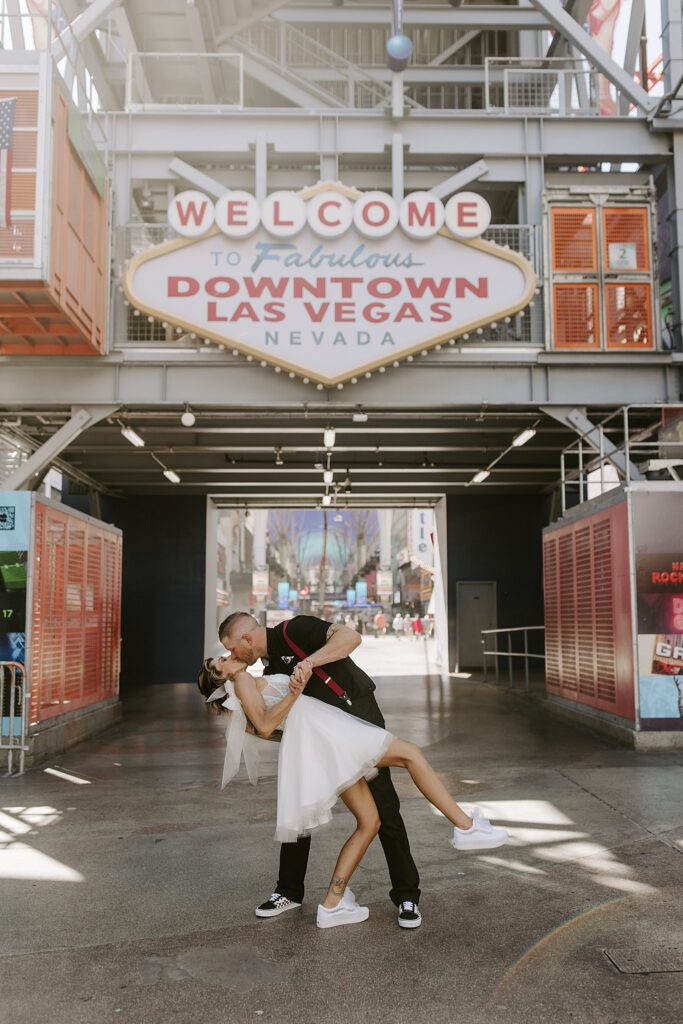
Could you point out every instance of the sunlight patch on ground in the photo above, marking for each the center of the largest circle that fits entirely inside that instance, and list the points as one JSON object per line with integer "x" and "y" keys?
{"x": 67, "y": 776}
{"x": 532, "y": 812}
{"x": 513, "y": 865}
{"x": 19, "y": 861}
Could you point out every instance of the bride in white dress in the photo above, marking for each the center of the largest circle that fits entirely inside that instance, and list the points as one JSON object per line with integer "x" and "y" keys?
{"x": 326, "y": 753}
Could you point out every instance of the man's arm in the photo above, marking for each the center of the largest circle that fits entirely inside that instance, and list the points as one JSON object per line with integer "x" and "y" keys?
{"x": 341, "y": 641}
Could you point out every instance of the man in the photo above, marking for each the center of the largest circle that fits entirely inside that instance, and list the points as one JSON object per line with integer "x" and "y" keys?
{"x": 327, "y": 644}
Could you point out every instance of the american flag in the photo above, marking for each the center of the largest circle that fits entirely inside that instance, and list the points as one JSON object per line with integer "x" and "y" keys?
{"x": 6, "y": 139}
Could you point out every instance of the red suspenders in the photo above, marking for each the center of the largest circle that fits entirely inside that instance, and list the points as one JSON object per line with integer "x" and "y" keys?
{"x": 328, "y": 680}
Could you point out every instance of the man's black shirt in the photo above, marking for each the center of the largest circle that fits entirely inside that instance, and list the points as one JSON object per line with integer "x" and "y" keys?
{"x": 310, "y": 634}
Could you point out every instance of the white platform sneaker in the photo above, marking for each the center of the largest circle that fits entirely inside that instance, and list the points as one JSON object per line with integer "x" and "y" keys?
{"x": 347, "y": 911}
{"x": 481, "y": 836}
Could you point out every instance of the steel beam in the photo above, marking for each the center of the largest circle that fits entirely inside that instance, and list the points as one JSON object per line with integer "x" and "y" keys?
{"x": 454, "y": 136}
{"x": 181, "y": 169}
{"x": 590, "y": 48}
{"x": 438, "y": 15}
{"x": 459, "y": 180}
{"x": 81, "y": 27}
{"x": 578, "y": 9}
{"x": 449, "y": 378}
{"x": 81, "y": 418}
{"x": 577, "y": 420}
{"x": 635, "y": 28}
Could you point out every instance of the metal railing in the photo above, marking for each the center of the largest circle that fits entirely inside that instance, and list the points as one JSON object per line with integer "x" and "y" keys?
{"x": 509, "y": 653}
{"x": 604, "y": 456}
{"x": 319, "y": 69}
{"x": 14, "y": 705}
{"x": 558, "y": 87}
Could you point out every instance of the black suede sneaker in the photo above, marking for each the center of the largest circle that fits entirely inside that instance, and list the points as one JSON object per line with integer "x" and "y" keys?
{"x": 408, "y": 915}
{"x": 276, "y": 905}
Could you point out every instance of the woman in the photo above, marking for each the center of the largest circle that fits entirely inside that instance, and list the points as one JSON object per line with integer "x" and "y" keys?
{"x": 327, "y": 753}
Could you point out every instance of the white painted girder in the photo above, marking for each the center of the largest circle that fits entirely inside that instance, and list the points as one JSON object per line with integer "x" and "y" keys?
{"x": 448, "y": 379}
{"x": 441, "y": 15}
{"x": 466, "y": 136}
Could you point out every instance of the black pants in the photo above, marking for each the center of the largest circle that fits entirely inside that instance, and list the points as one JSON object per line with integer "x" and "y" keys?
{"x": 405, "y": 880}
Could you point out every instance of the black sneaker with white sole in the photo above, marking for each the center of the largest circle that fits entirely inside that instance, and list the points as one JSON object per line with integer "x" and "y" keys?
{"x": 275, "y": 905}
{"x": 408, "y": 915}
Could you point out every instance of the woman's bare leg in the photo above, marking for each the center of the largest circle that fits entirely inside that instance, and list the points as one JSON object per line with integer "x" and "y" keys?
{"x": 359, "y": 801}
{"x": 402, "y": 754}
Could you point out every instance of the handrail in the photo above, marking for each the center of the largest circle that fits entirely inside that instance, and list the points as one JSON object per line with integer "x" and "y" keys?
{"x": 509, "y": 653}
{"x": 11, "y": 745}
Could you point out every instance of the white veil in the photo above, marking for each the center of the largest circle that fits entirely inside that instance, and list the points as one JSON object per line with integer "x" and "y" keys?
{"x": 237, "y": 740}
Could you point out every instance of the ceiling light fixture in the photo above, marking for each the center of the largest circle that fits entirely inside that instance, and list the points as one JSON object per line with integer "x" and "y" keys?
{"x": 188, "y": 419}
{"x": 479, "y": 477}
{"x": 328, "y": 476}
{"x": 279, "y": 461}
{"x": 327, "y": 499}
{"x": 132, "y": 436}
{"x": 360, "y": 416}
{"x": 522, "y": 438}
{"x": 172, "y": 476}
{"x": 329, "y": 437}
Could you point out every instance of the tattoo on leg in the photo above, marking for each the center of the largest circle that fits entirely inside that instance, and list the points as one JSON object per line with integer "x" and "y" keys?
{"x": 337, "y": 885}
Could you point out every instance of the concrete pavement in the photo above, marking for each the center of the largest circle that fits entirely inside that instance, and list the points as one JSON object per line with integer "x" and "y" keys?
{"x": 128, "y": 879}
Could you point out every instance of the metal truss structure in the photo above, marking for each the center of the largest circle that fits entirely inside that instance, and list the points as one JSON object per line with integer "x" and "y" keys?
{"x": 510, "y": 98}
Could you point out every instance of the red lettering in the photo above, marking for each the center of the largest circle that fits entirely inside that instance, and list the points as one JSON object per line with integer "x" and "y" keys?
{"x": 408, "y": 311}
{"x": 212, "y": 314}
{"x": 481, "y": 290}
{"x": 221, "y": 287}
{"x": 347, "y": 284}
{"x": 416, "y": 289}
{"x": 441, "y": 312}
{"x": 274, "y": 312}
{"x": 373, "y": 317}
{"x": 245, "y": 311}
{"x": 322, "y": 216}
{"x": 384, "y": 213}
{"x": 414, "y": 216}
{"x": 467, "y": 215}
{"x": 236, "y": 213}
{"x": 301, "y": 285}
{"x": 185, "y": 212}
{"x": 344, "y": 312}
{"x": 656, "y": 577}
{"x": 384, "y": 287}
{"x": 276, "y": 217}
{"x": 316, "y": 315}
{"x": 255, "y": 289}
{"x": 177, "y": 284}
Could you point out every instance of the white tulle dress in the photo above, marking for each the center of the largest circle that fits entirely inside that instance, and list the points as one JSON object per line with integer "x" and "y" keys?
{"x": 323, "y": 751}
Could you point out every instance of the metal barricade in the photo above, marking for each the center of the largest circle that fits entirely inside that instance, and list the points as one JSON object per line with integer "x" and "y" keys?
{"x": 509, "y": 653}
{"x": 14, "y": 705}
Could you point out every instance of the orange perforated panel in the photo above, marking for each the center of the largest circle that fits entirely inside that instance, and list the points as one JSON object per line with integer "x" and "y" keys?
{"x": 626, "y": 238}
{"x": 575, "y": 316}
{"x": 76, "y": 613}
{"x": 550, "y": 590}
{"x": 79, "y": 236}
{"x": 574, "y": 241}
{"x": 589, "y": 651}
{"x": 628, "y": 312}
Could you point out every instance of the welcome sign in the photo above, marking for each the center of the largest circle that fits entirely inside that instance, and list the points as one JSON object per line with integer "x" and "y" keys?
{"x": 329, "y": 282}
